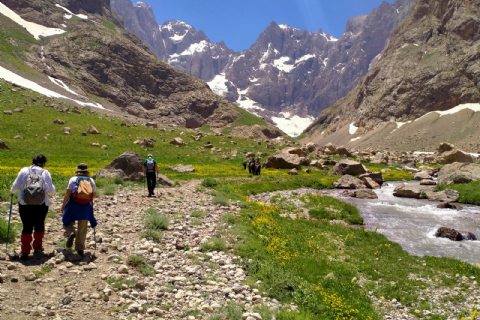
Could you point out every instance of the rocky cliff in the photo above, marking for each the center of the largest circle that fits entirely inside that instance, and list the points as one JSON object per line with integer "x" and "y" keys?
{"x": 429, "y": 70}
{"x": 98, "y": 58}
{"x": 288, "y": 76}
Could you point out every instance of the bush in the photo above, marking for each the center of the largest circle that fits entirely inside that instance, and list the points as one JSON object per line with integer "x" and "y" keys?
{"x": 109, "y": 189}
{"x": 195, "y": 222}
{"x": 319, "y": 213}
{"x": 229, "y": 218}
{"x": 198, "y": 214}
{"x": 136, "y": 261}
{"x": 147, "y": 270}
{"x": 152, "y": 234}
{"x": 221, "y": 200}
{"x": 118, "y": 181}
{"x": 157, "y": 222}
{"x": 232, "y": 311}
{"x": 214, "y": 244}
{"x": 3, "y": 232}
{"x": 151, "y": 211}
{"x": 209, "y": 182}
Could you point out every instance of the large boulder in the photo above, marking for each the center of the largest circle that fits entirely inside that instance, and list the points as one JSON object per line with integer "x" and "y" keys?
{"x": 447, "y": 153}
{"x": 375, "y": 176}
{"x": 283, "y": 161}
{"x": 342, "y": 151}
{"x": 412, "y": 191}
{"x": 318, "y": 164}
{"x": 370, "y": 183}
{"x": 164, "y": 181}
{"x": 422, "y": 175}
{"x": 299, "y": 152}
{"x": 311, "y": 147}
{"x": 92, "y": 130}
{"x": 447, "y": 195}
{"x": 350, "y": 167}
{"x": 361, "y": 194}
{"x": 181, "y": 168}
{"x": 454, "y": 235}
{"x": 459, "y": 173}
{"x": 330, "y": 149}
{"x": 349, "y": 182}
{"x": 3, "y": 145}
{"x": 177, "y": 142}
{"x": 127, "y": 166}
{"x": 148, "y": 143}
{"x": 380, "y": 158}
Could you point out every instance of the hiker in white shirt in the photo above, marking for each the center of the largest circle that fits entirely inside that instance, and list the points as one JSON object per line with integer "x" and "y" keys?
{"x": 33, "y": 215}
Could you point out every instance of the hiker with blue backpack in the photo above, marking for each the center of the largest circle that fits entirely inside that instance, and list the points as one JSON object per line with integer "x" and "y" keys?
{"x": 151, "y": 168}
{"x": 34, "y": 184}
{"x": 78, "y": 206}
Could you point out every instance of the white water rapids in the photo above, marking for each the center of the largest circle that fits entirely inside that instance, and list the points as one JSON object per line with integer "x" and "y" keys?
{"x": 412, "y": 223}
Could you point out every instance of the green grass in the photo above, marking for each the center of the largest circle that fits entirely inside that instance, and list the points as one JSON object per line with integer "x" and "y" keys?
{"x": 118, "y": 282}
{"x": 196, "y": 222}
{"x": 469, "y": 192}
{"x": 220, "y": 199}
{"x": 12, "y": 236}
{"x": 157, "y": 222}
{"x": 231, "y": 311}
{"x": 42, "y": 272}
{"x": 330, "y": 208}
{"x": 140, "y": 263}
{"x": 109, "y": 25}
{"x": 152, "y": 234}
{"x": 209, "y": 182}
{"x": 197, "y": 214}
{"x": 214, "y": 244}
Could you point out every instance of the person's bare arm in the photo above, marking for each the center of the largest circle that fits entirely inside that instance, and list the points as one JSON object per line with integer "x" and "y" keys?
{"x": 65, "y": 199}
{"x": 156, "y": 167}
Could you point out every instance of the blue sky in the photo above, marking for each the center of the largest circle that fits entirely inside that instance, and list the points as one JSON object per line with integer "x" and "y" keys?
{"x": 240, "y": 22}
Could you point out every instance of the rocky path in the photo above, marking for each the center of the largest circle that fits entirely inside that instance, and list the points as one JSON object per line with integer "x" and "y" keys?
{"x": 186, "y": 284}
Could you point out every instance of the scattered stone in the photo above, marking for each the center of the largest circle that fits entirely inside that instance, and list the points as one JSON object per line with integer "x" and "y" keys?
{"x": 58, "y": 121}
{"x": 104, "y": 147}
{"x": 30, "y": 277}
{"x": 428, "y": 183}
{"x": 18, "y": 137}
{"x": 165, "y": 181}
{"x": 66, "y": 130}
{"x": 96, "y": 144}
{"x": 448, "y": 205}
{"x": 350, "y": 167}
{"x": 454, "y": 235}
{"x": 422, "y": 175}
{"x": 410, "y": 191}
{"x": 293, "y": 172}
{"x": 370, "y": 183}
{"x": 123, "y": 269}
{"x": 349, "y": 182}
{"x": 3, "y": 145}
{"x": 8, "y": 112}
{"x": 127, "y": 166}
{"x": 92, "y": 130}
{"x": 177, "y": 142}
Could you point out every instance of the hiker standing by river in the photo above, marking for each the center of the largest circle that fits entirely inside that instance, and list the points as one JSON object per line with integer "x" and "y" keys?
{"x": 34, "y": 184}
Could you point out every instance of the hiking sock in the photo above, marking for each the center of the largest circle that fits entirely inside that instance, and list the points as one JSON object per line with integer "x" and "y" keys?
{"x": 38, "y": 240}
{"x": 26, "y": 240}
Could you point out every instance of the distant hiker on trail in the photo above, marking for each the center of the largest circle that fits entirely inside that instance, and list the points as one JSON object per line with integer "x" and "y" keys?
{"x": 150, "y": 165}
{"x": 78, "y": 206}
{"x": 251, "y": 166}
{"x": 244, "y": 164}
{"x": 258, "y": 168}
{"x": 35, "y": 184}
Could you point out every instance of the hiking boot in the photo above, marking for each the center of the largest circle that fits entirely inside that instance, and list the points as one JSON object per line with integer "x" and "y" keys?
{"x": 70, "y": 240}
{"x": 24, "y": 256}
{"x": 81, "y": 252}
{"x": 38, "y": 251}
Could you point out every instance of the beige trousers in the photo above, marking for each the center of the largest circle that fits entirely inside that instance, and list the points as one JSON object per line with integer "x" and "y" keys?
{"x": 81, "y": 234}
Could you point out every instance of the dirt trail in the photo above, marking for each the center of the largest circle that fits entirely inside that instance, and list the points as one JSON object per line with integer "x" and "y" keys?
{"x": 186, "y": 284}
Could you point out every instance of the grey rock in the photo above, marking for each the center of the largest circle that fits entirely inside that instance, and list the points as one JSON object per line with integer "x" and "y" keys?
{"x": 409, "y": 191}
{"x": 127, "y": 166}
{"x": 349, "y": 182}
{"x": 3, "y": 145}
{"x": 447, "y": 195}
{"x": 283, "y": 161}
{"x": 457, "y": 173}
{"x": 177, "y": 142}
{"x": 92, "y": 130}
{"x": 181, "y": 168}
{"x": 349, "y": 167}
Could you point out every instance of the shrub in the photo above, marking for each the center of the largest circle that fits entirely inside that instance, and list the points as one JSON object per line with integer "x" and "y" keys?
{"x": 109, "y": 189}
{"x": 198, "y": 214}
{"x": 118, "y": 282}
{"x": 118, "y": 181}
{"x": 136, "y": 261}
{"x": 151, "y": 211}
{"x": 157, "y": 222}
{"x": 3, "y": 232}
{"x": 319, "y": 213}
{"x": 221, "y": 200}
{"x": 229, "y": 218}
{"x": 196, "y": 222}
{"x": 231, "y": 311}
{"x": 209, "y": 182}
{"x": 214, "y": 244}
{"x": 147, "y": 270}
{"x": 152, "y": 234}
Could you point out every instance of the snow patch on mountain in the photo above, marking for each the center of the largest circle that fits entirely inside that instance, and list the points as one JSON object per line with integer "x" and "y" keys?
{"x": 70, "y": 14}
{"x": 352, "y": 128}
{"x": 219, "y": 85}
{"x": 246, "y": 103}
{"x": 34, "y": 29}
{"x": 195, "y": 47}
{"x": 280, "y": 64}
{"x": 20, "y": 81}
{"x": 305, "y": 58}
{"x": 178, "y": 38}
{"x": 293, "y": 126}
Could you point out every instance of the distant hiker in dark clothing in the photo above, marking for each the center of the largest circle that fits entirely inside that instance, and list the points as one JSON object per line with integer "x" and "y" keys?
{"x": 151, "y": 167}
{"x": 251, "y": 166}
{"x": 34, "y": 183}
{"x": 258, "y": 168}
{"x": 78, "y": 206}
{"x": 244, "y": 164}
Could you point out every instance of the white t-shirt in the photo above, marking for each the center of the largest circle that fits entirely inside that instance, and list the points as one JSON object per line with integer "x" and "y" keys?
{"x": 73, "y": 181}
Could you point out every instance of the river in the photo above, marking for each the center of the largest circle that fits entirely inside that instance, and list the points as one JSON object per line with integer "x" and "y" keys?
{"x": 412, "y": 223}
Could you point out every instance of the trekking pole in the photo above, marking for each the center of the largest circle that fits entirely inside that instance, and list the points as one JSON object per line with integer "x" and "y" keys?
{"x": 144, "y": 181}
{"x": 8, "y": 229}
